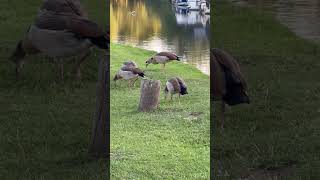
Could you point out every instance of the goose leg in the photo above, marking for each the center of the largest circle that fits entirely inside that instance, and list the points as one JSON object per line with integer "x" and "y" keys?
{"x": 134, "y": 82}
{"x": 223, "y": 109}
{"x": 129, "y": 84}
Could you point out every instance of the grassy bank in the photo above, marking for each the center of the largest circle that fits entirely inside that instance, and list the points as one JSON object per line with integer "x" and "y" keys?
{"x": 279, "y": 131}
{"x": 45, "y": 124}
{"x": 166, "y": 143}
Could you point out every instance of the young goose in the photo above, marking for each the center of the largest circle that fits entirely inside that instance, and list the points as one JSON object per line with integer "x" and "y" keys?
{"x": 228, "y": 83}
{"x": 162, "y": 58}
{"x": 129, "y": 71}
{"x": 175, "y": 85}
{"x": 61, "y": 30}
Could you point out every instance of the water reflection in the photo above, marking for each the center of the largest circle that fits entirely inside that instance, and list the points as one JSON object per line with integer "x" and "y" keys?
{"x": 159, "y": 26}
{"x": 301, "y": 16}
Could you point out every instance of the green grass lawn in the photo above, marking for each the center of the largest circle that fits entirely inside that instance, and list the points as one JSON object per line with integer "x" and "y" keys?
{"x": 279, "y": 131}
{"x": 166, "y": 143}
{"x": 44, "y": 124}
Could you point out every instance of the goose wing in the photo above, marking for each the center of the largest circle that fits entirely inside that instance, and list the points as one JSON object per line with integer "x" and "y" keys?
{"x": 129, "y": 64}
{"x": 133, "y": 70}
{"x": 168, "y": 55}
{"x": 227, "y": 61}
{"x": 218, "y": 79}
{"x": 175, "y": 84}
{"x": 181, "y": 82}
{"x": 64, "y": 6}
{"x": 81, "y": 28}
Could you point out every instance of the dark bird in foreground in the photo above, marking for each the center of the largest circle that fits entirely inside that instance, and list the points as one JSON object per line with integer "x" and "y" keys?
{"x": 228, "y": 83}
{"x": 61, "y": 29}
{"x": 129, "y": 71}
{"x": 162, "y": 58}
{"x": 175, "y": 85}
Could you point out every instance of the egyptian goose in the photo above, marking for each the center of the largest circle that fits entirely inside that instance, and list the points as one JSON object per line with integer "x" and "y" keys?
{"x": 175, "y": 85}
{"x": 129, "y": 71}
{"x": 162, "y": 58}
{"x": 228, "y": 83}
{"x": 60, "y": 30}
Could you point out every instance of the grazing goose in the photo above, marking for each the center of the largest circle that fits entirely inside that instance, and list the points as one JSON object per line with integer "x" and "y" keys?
{"x": 162, "y": 58}
{"x": 228, "y": 83}
{"x": 129, "y": 71}
{"x": 175, "y": 85}
{"x": 61, "y": 30}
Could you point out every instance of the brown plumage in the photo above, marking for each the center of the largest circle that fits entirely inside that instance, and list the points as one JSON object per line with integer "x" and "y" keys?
{"x": 169, "y": 55}
{"x": 64, "y": 6}
{"x": 175, "y": 85}
{"x": 228, "y": 83}
{"x": 61, "y": 30}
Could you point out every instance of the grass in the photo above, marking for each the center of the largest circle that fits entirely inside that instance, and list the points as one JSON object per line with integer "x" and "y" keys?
{"x": 166, "y": 143}
{"x": 45, "y": 124}
{"x": 279, "y": 131}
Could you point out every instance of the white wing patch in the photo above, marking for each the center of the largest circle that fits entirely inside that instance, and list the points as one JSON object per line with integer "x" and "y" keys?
{"x": 170, "y": 87}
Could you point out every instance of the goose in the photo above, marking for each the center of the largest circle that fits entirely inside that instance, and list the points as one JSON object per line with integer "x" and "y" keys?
{"x": 229, "y": 85}
{"x": 129, "y": 71}
{"x": 175, "y": 85}
{"x": 162, "y": 58}
{"x": 61, "y": 29}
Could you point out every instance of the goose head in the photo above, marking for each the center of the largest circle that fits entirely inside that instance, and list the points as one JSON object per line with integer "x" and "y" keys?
{"x": 183, "y": 90}
{"x": 149, "y": 61}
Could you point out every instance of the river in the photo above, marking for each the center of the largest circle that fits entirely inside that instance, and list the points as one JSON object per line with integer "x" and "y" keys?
{"x": 157, "y": 25}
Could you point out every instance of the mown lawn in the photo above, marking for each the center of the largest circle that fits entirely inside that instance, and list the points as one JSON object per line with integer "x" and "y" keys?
{"x": 45, "y": 124}
{"x": 279, "y": 131}
{"x": 167, "y": 143}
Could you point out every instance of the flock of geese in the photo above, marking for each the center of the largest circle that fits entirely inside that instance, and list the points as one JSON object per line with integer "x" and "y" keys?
{"x": 62, "y": 29}
{"x": 131, "y": 72}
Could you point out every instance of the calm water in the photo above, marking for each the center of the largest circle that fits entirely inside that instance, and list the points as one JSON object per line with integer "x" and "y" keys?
{"x": 157, "y": 25}
{"x": 301, "y": 16}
